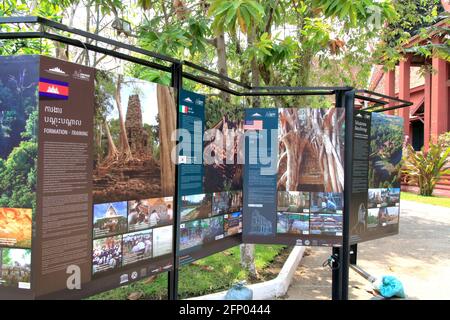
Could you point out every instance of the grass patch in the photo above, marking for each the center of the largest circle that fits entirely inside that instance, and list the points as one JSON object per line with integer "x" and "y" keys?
{"x": 434, "y": 200}
{"x": 211, "y": 274}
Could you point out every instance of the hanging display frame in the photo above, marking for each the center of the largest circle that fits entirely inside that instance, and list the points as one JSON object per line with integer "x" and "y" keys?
{"x": 344, "y": 98}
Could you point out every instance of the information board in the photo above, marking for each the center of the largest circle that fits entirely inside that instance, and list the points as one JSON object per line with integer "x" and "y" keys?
{"x": 87, "y": 177}
{"x": 294, "y": 176}
{"x": 87, "y": 184}
{"x": 210, "y": 178}
{"x": 377, "y": 154}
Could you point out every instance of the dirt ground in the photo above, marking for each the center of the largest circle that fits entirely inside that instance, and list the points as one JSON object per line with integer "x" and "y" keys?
{"x": 419, "y": 256}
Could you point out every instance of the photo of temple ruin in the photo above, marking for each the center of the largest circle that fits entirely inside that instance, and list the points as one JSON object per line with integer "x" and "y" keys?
{"x": 132, "y": 145}
{"x": 224, "y": 146}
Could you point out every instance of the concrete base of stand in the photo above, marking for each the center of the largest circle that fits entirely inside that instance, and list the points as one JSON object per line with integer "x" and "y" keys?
{"x": 269, "y": 289}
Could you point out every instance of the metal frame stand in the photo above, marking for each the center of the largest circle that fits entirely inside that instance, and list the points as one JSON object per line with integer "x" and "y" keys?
{"x": 172, "y": 290}
{"x": 353, "y": 254}
{"x": 345, "y": 98}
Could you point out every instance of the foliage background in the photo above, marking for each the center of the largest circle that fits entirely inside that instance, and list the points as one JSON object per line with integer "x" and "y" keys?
{"x": 18, "y": 123}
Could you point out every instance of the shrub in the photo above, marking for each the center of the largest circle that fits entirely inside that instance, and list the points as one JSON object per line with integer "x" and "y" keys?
{"x": 426, "y": 167}
{"x": 444, "y": 139}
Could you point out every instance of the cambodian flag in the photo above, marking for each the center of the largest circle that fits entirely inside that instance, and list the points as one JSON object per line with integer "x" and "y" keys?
{"x": 53, "y": 89}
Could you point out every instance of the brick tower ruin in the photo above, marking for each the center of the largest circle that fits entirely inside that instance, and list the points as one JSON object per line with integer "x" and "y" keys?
{"x": 137, "y": 136}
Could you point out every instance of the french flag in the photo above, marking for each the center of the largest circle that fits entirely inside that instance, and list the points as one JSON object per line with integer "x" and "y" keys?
{"x": 53, "y": 89}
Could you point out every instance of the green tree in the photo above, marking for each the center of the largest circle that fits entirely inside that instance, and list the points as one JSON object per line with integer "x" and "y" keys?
{"x": 18, "y": 177}
{"x": 51, "y": 9}
{"x": 6, "y": 257}
{"x": 264, "y": 43}
{"x": 414, "y": 18}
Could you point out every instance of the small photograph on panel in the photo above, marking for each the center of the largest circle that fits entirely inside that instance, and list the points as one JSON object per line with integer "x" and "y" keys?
{"x": 316, "y": 224}
{"x": 326, "y": 224}
{"x": 293, "y": 201}
{"x": 392, "y": 214}
{"x": 393, "y": 197}
{"x": 373, "y": 217}
{"x": 196, "y": 207}
{"x": 221, "y": 203}
{"x": 332, "y": 224}
{"x": 190, "y": 234}
{"x": 107, "y": 254}
{"x": 110, "y": 219}
{"x": 384, "y": 197}
{"x": 282, "y": 223}
{"x": 232, "y": 223}
{"x": 293, "y": 223}
{"x": 15, "y": 227}
{"x": 226, "y": 202}
{"x": 375, "y": 198}
{"x": 149, "y": 213}
{"x": 162, "y": 241}
{"x": 15, "y": 268}
{"x": 236, "y": 201}
{"x": 212, "y": 229}
{"x": 137, "y": 246}
{"x": 327, "y": 202}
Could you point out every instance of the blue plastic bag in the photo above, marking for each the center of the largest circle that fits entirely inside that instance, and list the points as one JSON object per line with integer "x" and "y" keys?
{"x": 389, "y": 286}
{"x": 239, "y": 292}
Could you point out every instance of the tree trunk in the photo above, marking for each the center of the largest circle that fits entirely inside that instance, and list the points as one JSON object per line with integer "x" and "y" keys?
{"x": 326, "y": 147}
{"x": 222, "y": 63}
{"x": 247, "y": 250}
{"x": 62, "y": 50}
{"x": 248, "y": 259}
{"x": 124, "y": 145}
{"x": 251, "y": 36}
{"x": 88, "y": 27}
{"x": 99, "y": 144}
{"x": 113, "y": 153}
{"x": 97, "y": 30}
{"x": 167, "y": 125}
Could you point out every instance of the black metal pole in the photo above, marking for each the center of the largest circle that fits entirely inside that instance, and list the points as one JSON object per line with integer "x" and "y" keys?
{"x": 177, "y": 84}
{"x": 336, "y": 275}
{"x": 349, "y": 104}
{"x": 336, "y": 252}
{"x": 354, "y": 254}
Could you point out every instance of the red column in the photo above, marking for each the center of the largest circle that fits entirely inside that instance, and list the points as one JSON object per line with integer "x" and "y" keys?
{"x": 405, "y": 91}
{"x": 389, "y": 87}
{"x": 439, "y": 97}
{"x": 427, "y": 110}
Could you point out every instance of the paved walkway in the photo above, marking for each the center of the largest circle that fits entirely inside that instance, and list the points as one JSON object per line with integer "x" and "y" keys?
{"x": 419, "y": 256}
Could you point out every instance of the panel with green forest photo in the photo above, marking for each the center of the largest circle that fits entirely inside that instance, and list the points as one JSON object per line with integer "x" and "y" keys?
{"x": 18, "y": 148}
{"x": 18, "y": 127}
{"x": 386, "y": 141}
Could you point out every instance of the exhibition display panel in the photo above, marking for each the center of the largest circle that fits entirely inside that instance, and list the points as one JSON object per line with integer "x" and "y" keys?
{"x": 209, "y": 185}
{"x": 93, "y": 196}
{"x": 376, "y": 204}
{"x": 297, "y": 197}
{"x": 87, "y": 181}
